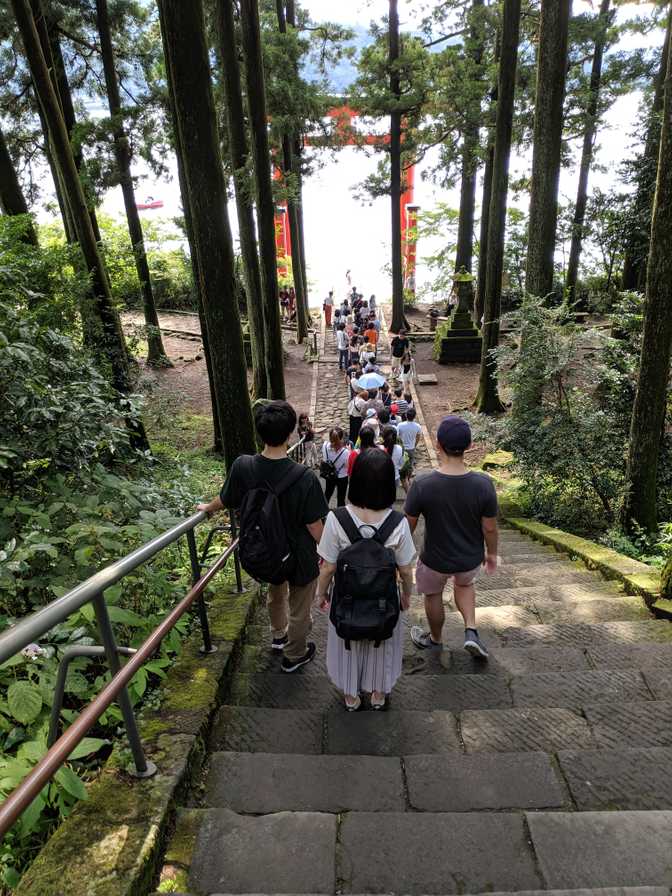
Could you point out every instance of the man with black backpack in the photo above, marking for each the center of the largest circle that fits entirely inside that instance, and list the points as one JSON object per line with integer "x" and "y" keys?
{"x": 282, "y": 508}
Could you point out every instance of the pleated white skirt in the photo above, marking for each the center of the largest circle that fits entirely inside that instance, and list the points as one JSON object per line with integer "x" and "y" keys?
{"x": 365, "y": 667}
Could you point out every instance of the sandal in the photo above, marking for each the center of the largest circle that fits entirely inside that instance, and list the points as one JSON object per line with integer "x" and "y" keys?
{"x": 378, "y": 702}
{"x": 353, "y": 707}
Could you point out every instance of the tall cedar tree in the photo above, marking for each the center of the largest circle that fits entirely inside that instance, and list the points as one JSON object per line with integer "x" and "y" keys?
{"x": 398, "y": 318}
{"x": 470, "y": 143}
{"x": 47, "y": 29}
{"x": 488, "y": 401}
{"x": 479, "y": 305}
{"x": 12, "y": 200}
{"x": 548, "y": 117}
{"x": 637, "y": 243}
{"x": 156, "y": 354}
{"x": 244, "y": 189}
{"x": 256, "y": 103}
{"x": 195, "y": 121}
{"x": 648, "y": 413}
{"x": 218, "y": 445}
{"x": 590, "y": 130}
{"x": 288, "y": 170}
{"x": 290, "y": 16}
{"x": 100, "y": 320}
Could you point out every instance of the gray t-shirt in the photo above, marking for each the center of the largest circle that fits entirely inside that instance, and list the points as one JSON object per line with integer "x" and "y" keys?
{"x": 453, "y": 507}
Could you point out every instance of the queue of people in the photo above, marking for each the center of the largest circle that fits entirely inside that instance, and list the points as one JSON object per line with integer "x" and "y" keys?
{"x": 357, "y": 561}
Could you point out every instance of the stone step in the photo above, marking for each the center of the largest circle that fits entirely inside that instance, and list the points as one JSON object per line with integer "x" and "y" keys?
{"x": 522, "y": 730}
{"x": 599, "y": 609}
{"x": 628, "y": 778}
{"x": 549, "y": 574}
{"x": 647, "y": 724}
{"x": 419, "y": 692}
{"x": 572, "y": 689}
{"x": 590, "y": 635}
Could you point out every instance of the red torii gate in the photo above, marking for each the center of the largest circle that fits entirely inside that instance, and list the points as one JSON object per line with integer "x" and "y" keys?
{"x": 347, "y": 136}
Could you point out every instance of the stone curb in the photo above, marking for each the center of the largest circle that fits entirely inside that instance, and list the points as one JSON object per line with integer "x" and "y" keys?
{"x": 112, "y": 844}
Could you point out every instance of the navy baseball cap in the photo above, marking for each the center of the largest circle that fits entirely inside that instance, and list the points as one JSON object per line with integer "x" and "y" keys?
{"x": 453, "y": 434}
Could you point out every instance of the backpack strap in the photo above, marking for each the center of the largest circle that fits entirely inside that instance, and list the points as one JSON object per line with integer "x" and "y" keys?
{"x": 390, "y": 524}
{"x": 347, "y": 524}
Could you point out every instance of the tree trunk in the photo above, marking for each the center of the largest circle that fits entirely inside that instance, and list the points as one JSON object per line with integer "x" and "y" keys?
{"x": 470, "y": 144}
{"x": 587, "y": 152}
{"x": 488, "y": 401}
{"x": 637, "y": 243}
{"x": 98, "y": 313}
{"x": 12, "y": 200}
{"x": 298, "y": 175}
{"x": 46, "y": 29}
{"x": 288, "y": 170}
{"x": 244, "y": 189}
{"x": 648, "y": 413}
{"x": 548, "y": 116}
{"x": 156, "y": 354}
{"x": 195, "y": 121}
{"x": 398, "y": 318}
{"x": 256, "y": 101}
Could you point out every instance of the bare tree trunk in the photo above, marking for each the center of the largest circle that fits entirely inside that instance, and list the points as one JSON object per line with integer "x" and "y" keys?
{"x": 587, "y": 152}
{"x": 12, "y": 200}
{"x": 637, "y": 244}
{"x": 244, "y": 189}
{"x": 98, "y": 313}
{"x": 470, "y": 143}
{"x": 487, "y": 193}
{"x": 156, "y": 354}
{"x": 548, "y": 116}
{"x": 256, "y": 100}
{"x": 648, "y": 413}
{"x": 398, "y": 317}
{"x": 195, "y": 121}
{"x": 488, "y": 401}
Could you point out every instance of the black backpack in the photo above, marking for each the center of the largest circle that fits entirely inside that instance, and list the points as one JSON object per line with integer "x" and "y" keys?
{"x": 365, "y": 597}
{"x": 328, "y": 470}
{"x": 264, "y": 549}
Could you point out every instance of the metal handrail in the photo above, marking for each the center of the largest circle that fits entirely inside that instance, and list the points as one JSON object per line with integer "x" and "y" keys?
{"x": 37, "y": 624}
{"x": 20, "y": 798}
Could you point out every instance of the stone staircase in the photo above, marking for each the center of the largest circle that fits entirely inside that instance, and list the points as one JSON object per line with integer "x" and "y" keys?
{"x": 545, "y": 769}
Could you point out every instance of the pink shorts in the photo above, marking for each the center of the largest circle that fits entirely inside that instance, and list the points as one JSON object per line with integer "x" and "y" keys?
{"x": 428, "y": 581}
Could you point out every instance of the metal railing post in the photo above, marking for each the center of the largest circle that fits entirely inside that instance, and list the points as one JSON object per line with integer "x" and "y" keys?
{"x": 143, "y": 767}
{"x": 236, "y": 559}
{"x": 208, "y": 646}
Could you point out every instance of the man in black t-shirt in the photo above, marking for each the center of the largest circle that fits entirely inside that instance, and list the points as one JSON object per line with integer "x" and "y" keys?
{"x": 459, "y": 507}
{"x": 303, "y": 509}
{"x": 399, "y": 345}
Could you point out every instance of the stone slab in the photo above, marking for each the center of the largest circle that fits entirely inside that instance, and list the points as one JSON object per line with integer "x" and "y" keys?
{"x": 619, "y": 779}
{"x": 607, "y": 609}
{"x": 521, "y": 730}
{"x": 659, "y": 682}
{"x": 603, "y": 849}
{"x": 630, "y": 656}
{"x": 511, "y": 597}
{"x": 528, "y": 660}
{"x": 391, "y": 733}
{"x": 573, "y": 689}
{"x": 281, "y": 691}
{"x": 631, "y": 724}
{"x": 259, "y": 730}
{"x": 454, "y": 853}
{"x": 482, "y": 781}
{"x": 450, "y": 692}
{"x": 562, "y": 634}
{"x": 427, "y": 379}
{"x": 289, "y": 852}
{"x": 261, "y": 783}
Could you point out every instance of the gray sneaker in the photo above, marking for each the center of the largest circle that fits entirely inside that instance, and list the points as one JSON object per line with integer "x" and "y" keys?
{"x": 474, "y": 645}
{"x": 423, "y": 639}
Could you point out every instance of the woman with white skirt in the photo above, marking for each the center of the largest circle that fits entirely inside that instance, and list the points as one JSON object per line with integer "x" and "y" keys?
{"x": 365, "y": 668}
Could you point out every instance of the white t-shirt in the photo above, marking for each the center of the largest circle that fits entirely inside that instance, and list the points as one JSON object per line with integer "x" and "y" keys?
{"x": 334, "y": 539}
{"x": 397, "y": 459}
{"x": 329, "y": 300}
{"x": 341, "y": 339}
{"x": 339, "y": 458}
{"x": 408, "y": 433}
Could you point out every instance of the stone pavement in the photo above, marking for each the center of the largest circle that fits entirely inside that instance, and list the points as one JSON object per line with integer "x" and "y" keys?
{"x": 546, "y": 769}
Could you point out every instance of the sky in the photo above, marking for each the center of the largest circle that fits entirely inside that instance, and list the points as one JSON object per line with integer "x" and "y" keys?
{"x": 343, "y": 233}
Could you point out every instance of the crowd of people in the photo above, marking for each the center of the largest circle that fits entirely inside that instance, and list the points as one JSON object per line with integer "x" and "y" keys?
{"x": 357, "y": 561}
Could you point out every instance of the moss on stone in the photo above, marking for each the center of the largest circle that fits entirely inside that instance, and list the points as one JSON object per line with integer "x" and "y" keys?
{"x": 497, "y": 459}
{"x": 181, "y": 845}
{"x": 666, "y": 580}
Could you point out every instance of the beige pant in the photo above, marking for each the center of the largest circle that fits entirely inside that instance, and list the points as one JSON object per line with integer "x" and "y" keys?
{"x": 297, "y": 621}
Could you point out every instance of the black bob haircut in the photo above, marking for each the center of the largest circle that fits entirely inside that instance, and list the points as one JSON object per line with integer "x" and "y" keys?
{"x": 275, "y": 422}
{"x": 372, "y": 482}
